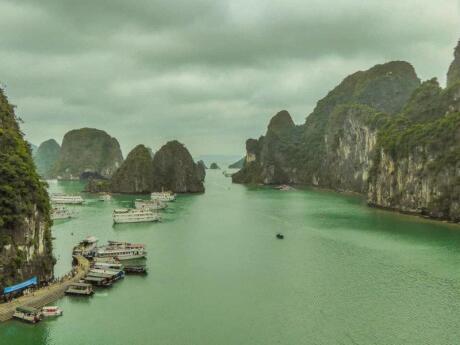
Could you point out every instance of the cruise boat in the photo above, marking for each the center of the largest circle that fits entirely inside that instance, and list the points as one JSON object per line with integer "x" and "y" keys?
{"x": 153, "y": 205}
{"x": 103, "y": 281}
{"x": 105, "y": 197}
{"x": 29, "y": 314}
{"x": 60, "y": 198}
{"x": 131, "y": 215}
{"x": 51, "y": 311}
{"x": 121, "y": 253}
{"x": 163, "y": 196}
{"x": 60, "y": 212}
{"x": 80, "y": 289}
{"x": 87, "y": 247}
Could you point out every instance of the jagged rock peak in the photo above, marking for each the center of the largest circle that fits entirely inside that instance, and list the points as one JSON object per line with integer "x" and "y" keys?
{"x": 175, "y": 170}
{"x": 46, "y": 156}
{"x": 281, "y": 122}
{"x": 453, "y": 75}
{"x": 88, "y": 150}
{"x": 135, "y": 175}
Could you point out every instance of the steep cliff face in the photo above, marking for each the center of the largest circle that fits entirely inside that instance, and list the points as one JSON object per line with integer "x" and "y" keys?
{"x": 46, "y": 156}
{"x": 88, "y": 150}
{"x": 25, "y": 236}
{"x": 453, "y": 75}
{"x": 175, "y": 170}
{"x": 379, "y": 133}
{"x": 417, "y": 166}
{"x": 304, "y": 154}
{"x": 237, "y": 165}
{"x": 135, "y": 175}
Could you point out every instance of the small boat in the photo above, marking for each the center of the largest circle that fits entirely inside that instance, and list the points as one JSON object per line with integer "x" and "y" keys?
{"x": 105, "y": 197}
{"x": 227, "y": 174}
{"x": 99, "y": 281}
{"x": 167, "y": 196}
{"x": 114, "y": 275}
{"x": 51, "y": 311}
{"x": 132, "y": 215}
{"x": 80, "y": 289}
{"x": 108, "y": 265}
{"x": 60, "y": 212}
{"x": 136, "y": 269}
{"x": 60, "y": 198}
{"x": 28, "y": 314}
{"x": 284, "y": 188}
{"x": 153, "y": 204}
{"x": 280, "y": 236}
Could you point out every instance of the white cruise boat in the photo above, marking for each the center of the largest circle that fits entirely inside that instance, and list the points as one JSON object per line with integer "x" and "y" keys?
{"x": 154, "y": 204}
{"x": 105, "y": 197}
{"x": 121, "y": 253}
{"x": 60, "y": 198}
{"x": 163, "y": 196}
{"x": 133, "y": 215}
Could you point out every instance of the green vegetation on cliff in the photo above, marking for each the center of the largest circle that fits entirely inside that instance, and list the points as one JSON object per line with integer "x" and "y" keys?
{"x": 46, "y": 156}
{"x": 135, "y": 175}
{"x": 24, "y": 204}
{"x": 88, "y": 150}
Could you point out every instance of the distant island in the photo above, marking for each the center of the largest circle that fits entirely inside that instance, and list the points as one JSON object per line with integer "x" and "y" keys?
{"x": 171, "y": 169}
{"x": 214, "y": 166}
{"x": 380, "y": 133}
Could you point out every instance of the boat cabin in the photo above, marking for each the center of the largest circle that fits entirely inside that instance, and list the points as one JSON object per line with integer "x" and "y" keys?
{"x": 29, "y": 314}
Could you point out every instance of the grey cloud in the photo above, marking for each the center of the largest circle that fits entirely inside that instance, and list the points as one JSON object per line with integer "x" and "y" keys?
{"x": 209, "y": 73}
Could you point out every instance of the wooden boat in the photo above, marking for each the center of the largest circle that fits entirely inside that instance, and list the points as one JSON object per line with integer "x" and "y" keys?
{"x": 28, "y": 314}
{"x": 52, "y": 311}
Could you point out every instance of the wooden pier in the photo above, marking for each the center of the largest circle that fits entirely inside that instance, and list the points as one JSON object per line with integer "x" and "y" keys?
{"x": 45, "y": 295}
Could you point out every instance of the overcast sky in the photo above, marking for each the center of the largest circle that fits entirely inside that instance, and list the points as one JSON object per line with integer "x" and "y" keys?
{"x": 209, "y": 73}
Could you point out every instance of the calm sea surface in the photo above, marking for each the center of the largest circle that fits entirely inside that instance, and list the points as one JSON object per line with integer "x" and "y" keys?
{"x": 344, "y": 274}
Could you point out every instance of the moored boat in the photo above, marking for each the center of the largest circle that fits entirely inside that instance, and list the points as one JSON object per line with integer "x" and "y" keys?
{"x": 153, "y": 204}
{"x": 167, "y": 196}
{"x": 28, "y": 314}
{"x": 52, "y": 311}
{"x": 131, "y": 215}
{"x": 121, "y": 253}
{"x": 80, "y": 289}
{"x": 60, "y": 198}
{"x": 87, "y": 247}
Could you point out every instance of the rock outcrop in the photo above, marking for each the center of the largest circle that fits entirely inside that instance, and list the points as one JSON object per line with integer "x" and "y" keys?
{"x": 135, "y": 175}
{"x": 201, "y": 170}
{"x": 88, "y": 150}
{"x": 214, "y": 166}
{"x": 171, "y": 169}
{"x": 25, "y": 235}
{"x": 46, "y": 156}
{"x": 175, "y": 170}
{"x": 453, "y": 75}
{"x": 379, "y": 133}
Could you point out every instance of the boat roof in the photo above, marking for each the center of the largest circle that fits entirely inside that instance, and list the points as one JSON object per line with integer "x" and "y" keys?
{"x": 100, "y": 275}
{"x": 25, "y": 309}
{"x": 80, "y": 285}
{"x": 94, "y": 279}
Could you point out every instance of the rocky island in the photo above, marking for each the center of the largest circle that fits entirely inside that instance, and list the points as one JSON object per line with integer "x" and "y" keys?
{"x": 171, "y": 169}
{"x": 381, "y": 133}
{"x": 214, "y": 166}
{"x": 46, "y": 156}
{"x": 25, "y": 235}
{"x": 87, "y": 152}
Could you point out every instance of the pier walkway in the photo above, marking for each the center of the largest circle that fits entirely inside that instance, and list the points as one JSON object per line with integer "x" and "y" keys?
{"x": 47, "y": 294}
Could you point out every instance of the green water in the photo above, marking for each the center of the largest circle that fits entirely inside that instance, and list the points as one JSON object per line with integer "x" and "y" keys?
{"x": 345, "y": 274}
